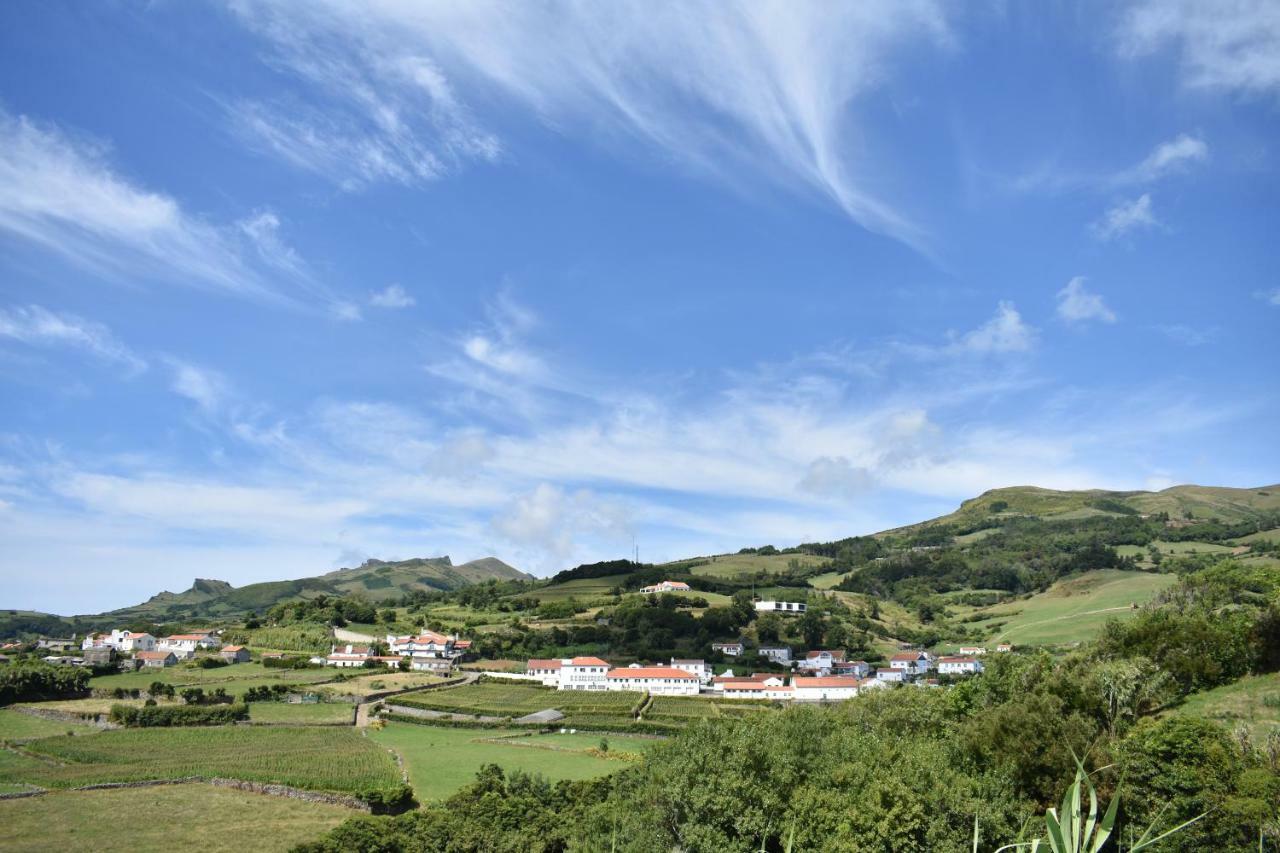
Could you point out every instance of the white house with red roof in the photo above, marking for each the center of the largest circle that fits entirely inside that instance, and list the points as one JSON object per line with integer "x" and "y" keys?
{"x": 856, "y": 668}
{"x": 959, "y": 666}
{"x": 831, "y": 688}
{"x": 545, "y": 670}
{"x": 821, "y": 660}
{"x": 912, "y": 664}
{"x": 583, "y": 673}
{"x": 971, "y": 651}
{"x": 665, "y": 586}
{"x": 1004, "y": 647}
{"x": 659, "y": 680}
{"x": 348, "y": 656}
{"x": 700, "y": 668}
{"x": 184, "y": 645}
{"x": 428, "y": 650}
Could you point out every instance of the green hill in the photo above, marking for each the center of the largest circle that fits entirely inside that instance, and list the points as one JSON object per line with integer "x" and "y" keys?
{"x": 1180, "y": 503}
{"x": 376, "y": 580}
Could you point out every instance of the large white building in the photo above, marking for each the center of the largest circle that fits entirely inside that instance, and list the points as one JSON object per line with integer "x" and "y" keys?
{"x": 824, "y": 689}
{"x": 583, "y": 673}
{"x": 786, "y": 607}
{"x": 661, "y": 680}
{"x": 700, "y": 668}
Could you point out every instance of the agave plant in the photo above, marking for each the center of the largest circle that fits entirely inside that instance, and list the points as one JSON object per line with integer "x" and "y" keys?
{"x": 1070, "y": 830}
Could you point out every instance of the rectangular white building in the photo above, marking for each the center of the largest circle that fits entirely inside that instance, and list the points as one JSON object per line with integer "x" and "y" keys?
{"x": 659, "y": 680}
{"x": 790, "y": 608}
{"x": 833, "y": 688}
{"x": 700, "y": 668}
{"x": 959, "y": 666}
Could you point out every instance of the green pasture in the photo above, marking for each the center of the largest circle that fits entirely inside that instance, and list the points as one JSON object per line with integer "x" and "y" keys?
{"x": 163, "y": 819}
{"x": 235, "y": 678}
{"x": 732, "y": 565}
{"x": 15, "y": 725}
{"x": 1253, "y": 701}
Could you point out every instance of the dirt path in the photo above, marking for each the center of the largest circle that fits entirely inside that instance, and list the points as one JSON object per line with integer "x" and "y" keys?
{"x": 362, "y": 709}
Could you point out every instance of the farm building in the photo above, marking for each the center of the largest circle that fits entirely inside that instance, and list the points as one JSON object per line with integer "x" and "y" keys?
{"x": 235, "y": 654}
{"x": 729, "y": 649}
{"x": 156, "y": 660}
{"x": 665, "y": 586}
{"x": 828, "y": 689}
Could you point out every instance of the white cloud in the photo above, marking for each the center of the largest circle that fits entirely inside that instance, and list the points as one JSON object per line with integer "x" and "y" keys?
{"x": 1271, "y": 297}
{"x": 1231, "y": 46}
{"x": 1005, "y": 332}
{"x": 1189, "y": 335}
{"x": 1169, "y": 157}
{"x": 1125, "y": 217}
{"x": 1076, "y": 304}
{"x": 393, "y": 296}
{"x": 723, "y": 89}
{"x": 836, "y": 476}
{"x": 551, "y": 520}
{"x": 39, "y": 326}
{"x": 347, "y": 312}
{"x": 207, "y": 388}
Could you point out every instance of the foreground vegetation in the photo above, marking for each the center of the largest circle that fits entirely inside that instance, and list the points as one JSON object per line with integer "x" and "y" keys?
{"x": 162, "y": 819}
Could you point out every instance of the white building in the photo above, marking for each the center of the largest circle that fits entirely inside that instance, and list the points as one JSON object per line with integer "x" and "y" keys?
{"x": 428, "y": 651}
{"x": 584, "y": 673}
{"x": 1004, "y": 647}
{"x": 546, "y": 671}
{"x": 856, "y": 668}
{"x": 729, "y": 649}
{"x": 660, "y": 680}
{"x": 777, "y": 654}
{"x": 821, "y": 660}
{"x": 959, "y": 666}
{"x": 349, "y": 656}
{"x": 757, "y": 690}
{"x": 912, "y": 663}
{"x": 787, "y": 607}
{"x": 665, "y": 586}
{"x": 971, "y": 651}
{"x": 184, "y": 646}
{"x": 890, "y": 676}
{"x": 134, "y": 641}
{"x": 700, "y": 668}
{"x": 829, "y": 689}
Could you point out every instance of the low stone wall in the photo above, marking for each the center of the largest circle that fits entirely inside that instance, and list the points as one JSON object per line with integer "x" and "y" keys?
{"x": 270, "y": 790}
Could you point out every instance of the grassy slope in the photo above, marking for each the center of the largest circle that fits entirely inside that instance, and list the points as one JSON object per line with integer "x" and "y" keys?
{"x": 1074, "y": 609}
{"x": 1253, "y": 700}
{"x": 441, "y": 760}
{"x": 166, "y": 818}
{"x": 233, "y": 678}
{"x": 731, "y": 565}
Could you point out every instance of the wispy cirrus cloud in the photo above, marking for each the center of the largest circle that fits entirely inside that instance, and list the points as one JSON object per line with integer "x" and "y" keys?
{"x": 38, "y": 326}
{"x": 723, "y": 89}
{"x": 391, "y": 296}
{"x": 1232, "y": 47}
{"x": 60, "y": 193}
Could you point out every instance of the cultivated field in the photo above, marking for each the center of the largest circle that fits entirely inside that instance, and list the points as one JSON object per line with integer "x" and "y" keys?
{"x": 163, "y": 819}
{"x": 315, "y": 714}
{"x": 731, "y": 565}
{"x": 315, "y": 757}
{"x": 377, "y": 682}
{"x": 234, "y": 679}
{"x": 442, "y": 760}
{"x": 1073, "y": 610}
{"x": 18, "y": 726}
{"x": 1253, "y": 701}
{"x": 495, "y": 699}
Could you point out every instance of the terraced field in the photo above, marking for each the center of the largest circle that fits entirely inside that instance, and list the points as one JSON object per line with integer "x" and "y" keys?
{"x": 315, "y": 714}
{"x": 234, "y": 679}
{"x": 495, "y": 699}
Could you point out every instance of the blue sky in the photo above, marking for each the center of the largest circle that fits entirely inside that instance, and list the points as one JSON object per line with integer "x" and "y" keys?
{"x": 284, "y": 286}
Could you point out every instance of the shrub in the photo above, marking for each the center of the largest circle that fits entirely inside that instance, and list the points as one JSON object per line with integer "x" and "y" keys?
{"x": 153, "y": 716}
{"x": 210, "y": 662}
{"x": 392, "y": 800}
{"x": 35, "y": 681}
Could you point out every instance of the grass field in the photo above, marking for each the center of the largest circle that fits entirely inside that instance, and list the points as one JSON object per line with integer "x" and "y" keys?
{"x": 317, "y": 714}
{"x": 234, "y": 679}
{"x": 731, "y": 565}
{"x": 165, "y": 818}
{"x": 304, "y": 757}
{"x": 92, "y": 705}
{"x": 378, "y": 682}
{"x": 1174, "y": 549}
{"x": 1260, "y": 536}
{"x": 827, "y": 581}
{"x": 1075, "y": 609}
{"x": 442, "y": 760}
{"x": 583, "y": 589}
{"x": 18, "y": 726}
{"x": 1253, "y": 700}
{"x": 495, "y": 699}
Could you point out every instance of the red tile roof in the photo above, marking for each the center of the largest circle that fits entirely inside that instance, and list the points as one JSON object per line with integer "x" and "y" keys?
{"x": 838, "y": 655}
{"x": 153, "y": 655}
{"x": 907, "y": 656}
{"x": 232, "y": 648}
{"x": 536, "y": 663}
{"x": 957, "y": 660}
{"x": 588, "y": 662}
{"x": 652, "y": 672}
{"x": 833, "y": 681}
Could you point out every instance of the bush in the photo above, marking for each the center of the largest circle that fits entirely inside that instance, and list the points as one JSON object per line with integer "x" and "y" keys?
{"x": 210, "y": 662}
{"x": 155, "y": 716}
{"x": 393, "y": 800}
{"x": 26, "y": 682}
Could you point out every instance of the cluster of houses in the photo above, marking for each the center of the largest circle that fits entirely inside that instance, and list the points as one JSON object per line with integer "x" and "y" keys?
{"x": 427, "y": 651}
{"x": 137, "y": 649}
{"x": 821, "y": 676}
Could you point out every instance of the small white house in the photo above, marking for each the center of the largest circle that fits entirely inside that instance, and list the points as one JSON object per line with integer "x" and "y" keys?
{"x": 790, "y": 608}
{"x": 912, "y": 663}
{"x": 348, "y": 656}
{"x": 856, "y": 668}
{"x": 659, "y": 680}
{"x": 890, "y": 676}
{"x": 184, "y": 646}
{"x": 133, "y": 641}
{"x": 824, "y": 689}
{"x": 665, "y": 586}
{"x": 959, "y": 666}
{"x": 777, "y": 654}
{"x": 699, "y": 668}
{"x": 732, "y": 650}
{"x": 821, "y": 660}
{"x": 1004, "y": 647}
{"x": 971, "y": 651}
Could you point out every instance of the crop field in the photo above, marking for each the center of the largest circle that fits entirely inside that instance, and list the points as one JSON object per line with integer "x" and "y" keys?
{"x": 1253, "y": 701}
{"x": 304, "y": 757}
{"x": 234, "y": 679}
{"x": 494, "y": 699}
{"x": 93, "y": 705}
{"x": 165, "y": 818}
{"x": 714, "y": 599}
{"x": 583, "y": 589}
{"x": 15, "y": 725}
{"x": 315, "y": 714}
{"x": 377, "y": 682}
{"x": 442, "y": 760}
{"x": 687, "y": 709}
{"x": 1075, "y": 609}
{"x": 732, "y": 565}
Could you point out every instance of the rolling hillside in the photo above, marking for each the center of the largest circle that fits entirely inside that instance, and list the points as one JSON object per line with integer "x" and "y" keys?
{"x": 376, "y": 580}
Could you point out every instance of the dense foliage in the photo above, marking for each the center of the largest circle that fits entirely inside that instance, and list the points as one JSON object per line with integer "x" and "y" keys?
{"x": 152, "y": 716}
{"x": 31, "y": 681}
